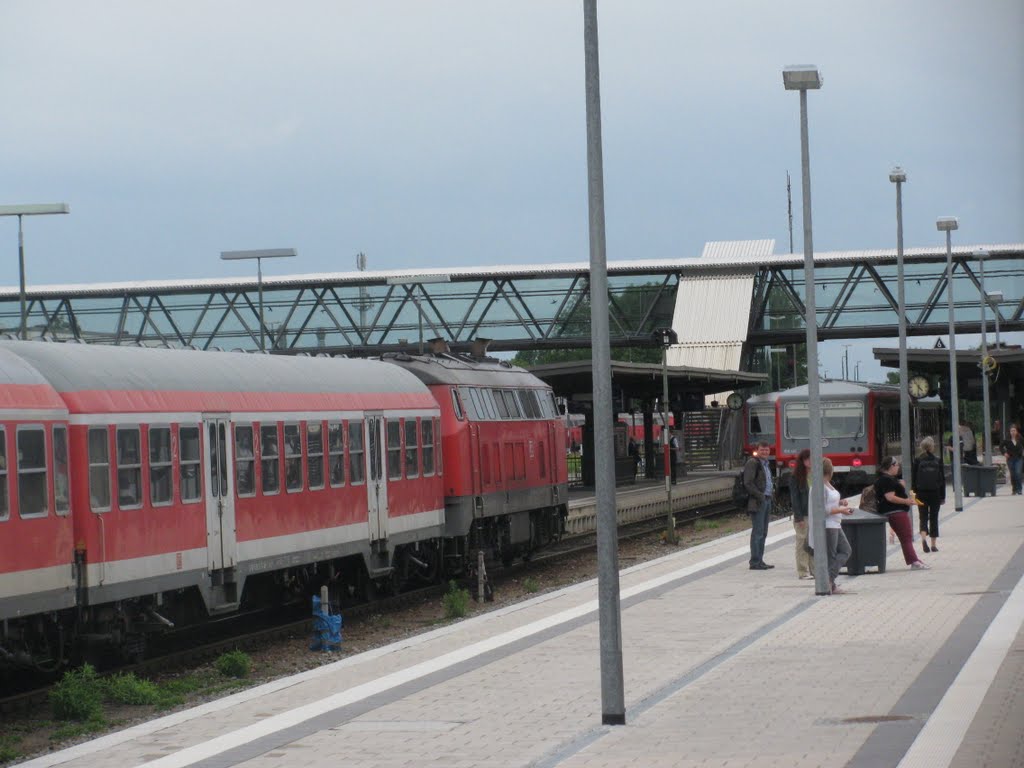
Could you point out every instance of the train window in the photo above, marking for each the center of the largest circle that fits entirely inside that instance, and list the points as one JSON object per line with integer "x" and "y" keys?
{"x": 499, "y": 402}
{"x": 315, "y": 454}
{"x": 427, "y": 430}
{"x": 99, "y": 469}
{"x": 5, "y": 507}
{"x": 129, "y": 468}
{"x": 762, "y": 420}
{"x": 356, "y": 462}
{"x": 161, "y": 471}
{"x": 412, "y": 463}
{"x": 457, "y": 405}
{"x": 394, "y": 437}
{"x": 477, "y": 410}
{"x": 842, "y": 419}
{"x": 336, "y": 454}
{"x": 32, "y": 495}
{"x": 188, "y": 463}
{"x": 512, "y": 403}
{"x": 270, "y": 459}
{"x": 552, "y": 406}
{"x": 61, "y": 483}
{"x": 292, "y": 458}
{"x": 245, "y": 461}
{"x": 528, "y": 399}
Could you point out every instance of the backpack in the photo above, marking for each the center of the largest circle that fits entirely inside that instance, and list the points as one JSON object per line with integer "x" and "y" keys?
{"x": 930, "y": 476}
{"x": 740, "y": 494}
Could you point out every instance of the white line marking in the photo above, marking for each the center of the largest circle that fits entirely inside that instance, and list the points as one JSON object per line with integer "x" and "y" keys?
{"x": 937, "y": 743}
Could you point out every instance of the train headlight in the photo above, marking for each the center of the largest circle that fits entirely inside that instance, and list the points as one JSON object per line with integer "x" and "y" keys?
{"x": 856, "y": 461}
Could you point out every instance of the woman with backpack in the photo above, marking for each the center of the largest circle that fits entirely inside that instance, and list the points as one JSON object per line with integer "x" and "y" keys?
{"x": 929, "y": 483}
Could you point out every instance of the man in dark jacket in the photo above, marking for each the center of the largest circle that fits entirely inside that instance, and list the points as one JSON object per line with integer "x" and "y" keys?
{"x": 757, "y": 479}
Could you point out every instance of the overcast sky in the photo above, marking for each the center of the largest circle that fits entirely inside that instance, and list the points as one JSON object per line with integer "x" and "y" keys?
{"x": 453, "y": 133}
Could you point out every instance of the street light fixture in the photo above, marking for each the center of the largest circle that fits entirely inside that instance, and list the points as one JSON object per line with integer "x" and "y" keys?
{"x": 803, "y": 79}
{"x": 36, "y": 209}
{"x": 981, "y": 255}
{"x": 898, "y": 176}
{"x": 259, "y": 255}
{"x": 409, "y": 283}
{"x": 995, "y": 298}
{"x": 948, "y": 224}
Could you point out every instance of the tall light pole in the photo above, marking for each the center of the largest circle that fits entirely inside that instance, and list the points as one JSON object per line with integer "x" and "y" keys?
{"x": 986, "y": 417}
{"x": 409, "y": 283}
{"x": 897, "y": 176}
{"x": 260, "y": 255}
{"x": 613, "y": 704}
{"x": 668, "y": 338}
{"x": 803, "y": 79}
{"x": 947, "y": 224}
{"x": 33, "y": 209}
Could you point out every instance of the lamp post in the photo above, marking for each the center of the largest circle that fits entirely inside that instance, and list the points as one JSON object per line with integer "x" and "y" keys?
{"x": 34, "y": 209}
{"x": 897, "y": 176}
{"x": 259, "y": 255}
{"x": 947, "y": 224}
{"x": 804, "y": 78}
{"x": 986, "y": 417}
{"x": 410, "y": 283}
{"x": 668, "y": 338}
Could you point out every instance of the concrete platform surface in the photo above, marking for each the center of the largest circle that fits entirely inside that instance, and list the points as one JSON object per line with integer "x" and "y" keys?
{"x": 723, "y": 666}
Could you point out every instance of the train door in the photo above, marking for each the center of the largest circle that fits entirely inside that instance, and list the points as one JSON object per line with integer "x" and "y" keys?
{"x": 377, "y": 479}
{"x": 222, "y": 546}
{"x": 475, "y": 457}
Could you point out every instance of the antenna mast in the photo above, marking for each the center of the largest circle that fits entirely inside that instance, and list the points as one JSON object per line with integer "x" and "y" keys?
{"x": 789, "y": 210}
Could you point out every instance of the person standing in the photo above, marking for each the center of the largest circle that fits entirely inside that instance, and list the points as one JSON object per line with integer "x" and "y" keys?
{"x": 837, "y": 545}
{"x": 799, "y": 490}
{"x": 893, "y": 502}
{"x": 1013, "y": 450}
{"x": 929, "y": 481}
{"x": 968, "y": 443}
{"x": 673, "y": 458}
{"x": 757, "y": 479}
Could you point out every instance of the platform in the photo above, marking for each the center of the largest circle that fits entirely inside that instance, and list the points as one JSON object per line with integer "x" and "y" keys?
{"x": 724, "y": 666}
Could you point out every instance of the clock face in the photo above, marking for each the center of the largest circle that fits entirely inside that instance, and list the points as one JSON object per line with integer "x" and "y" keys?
{"x": 735, "y": 401}
{"x": 919, "y": 386}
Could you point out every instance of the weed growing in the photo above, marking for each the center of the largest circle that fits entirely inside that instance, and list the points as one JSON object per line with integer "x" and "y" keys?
{"x": 455, "y": 602}
{"x": 530, "y": 584}
{"x": 128, "y": 689}
{"x": 234, "y": 664}
{"x": 78, "y": 695}
{"x": 706, "y": 525}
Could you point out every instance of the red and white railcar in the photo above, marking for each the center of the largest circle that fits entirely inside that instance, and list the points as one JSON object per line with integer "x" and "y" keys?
{"x": 202, "y": 472}
{"x": 36, "y": 543}
{"x": 505, "y": 478}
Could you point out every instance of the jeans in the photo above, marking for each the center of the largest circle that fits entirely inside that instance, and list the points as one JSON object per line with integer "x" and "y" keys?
{"x": 1016, "y": 469}
{"x": 759, "y": 531}
{"x": 839, "y": 551}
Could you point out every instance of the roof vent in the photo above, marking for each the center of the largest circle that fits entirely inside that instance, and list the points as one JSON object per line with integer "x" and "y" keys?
{"x": 438, "y": 346}
{"x": 479, "y": 348}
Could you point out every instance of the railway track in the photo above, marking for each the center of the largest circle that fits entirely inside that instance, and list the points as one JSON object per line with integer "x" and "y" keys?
{"x": 239, "y": 632}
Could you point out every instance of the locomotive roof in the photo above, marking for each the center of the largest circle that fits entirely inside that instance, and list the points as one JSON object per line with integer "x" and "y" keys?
{"x": 23, "y": 387}
{"x": 141, "y": 371}
{"x": 460, "y": 370}
{"x": 766, "y": 398}
{"x": 838, "y": 389}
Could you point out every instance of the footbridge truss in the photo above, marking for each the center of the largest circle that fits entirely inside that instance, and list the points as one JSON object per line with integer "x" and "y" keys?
{"x": 738, "y": 296}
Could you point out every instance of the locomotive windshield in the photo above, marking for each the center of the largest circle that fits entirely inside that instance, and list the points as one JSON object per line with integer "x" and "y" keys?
{"x": 838, "y": 419}
{"x": 762, "y": 420}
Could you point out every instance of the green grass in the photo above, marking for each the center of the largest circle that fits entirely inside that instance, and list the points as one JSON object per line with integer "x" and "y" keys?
{"x": 455, "y": 602}
{"x": 9, "y": 747}
{"x": 234, "y": 664}
{"x": 530, "y": 584}
{"x": 78, "y": 695}
{"x": 74, "y": 730}
{"x": 128, "y": 689}
{"x": 706, "y": 525}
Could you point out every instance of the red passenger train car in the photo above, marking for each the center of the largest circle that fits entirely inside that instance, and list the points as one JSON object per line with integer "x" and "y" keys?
{"x": 151, "y": 488}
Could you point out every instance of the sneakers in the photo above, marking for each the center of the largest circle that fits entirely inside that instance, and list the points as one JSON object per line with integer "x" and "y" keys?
{"x": 917, "y": 565}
